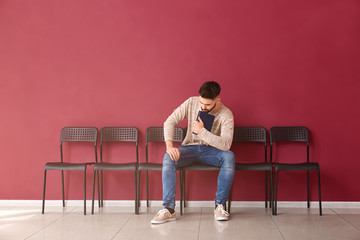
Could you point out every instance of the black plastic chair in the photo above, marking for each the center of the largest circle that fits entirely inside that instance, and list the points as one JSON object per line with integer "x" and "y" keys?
{"x": 193, "y": 167}
{"x": 257, "y": 135}
{"x": 156, "y": 134}
{"x": 72, "y": 134}
{"x": 293, "y": 134}
{"x": 116, "y": 134}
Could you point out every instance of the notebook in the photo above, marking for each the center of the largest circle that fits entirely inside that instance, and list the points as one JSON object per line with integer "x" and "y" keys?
{"x": 207, "y": 119}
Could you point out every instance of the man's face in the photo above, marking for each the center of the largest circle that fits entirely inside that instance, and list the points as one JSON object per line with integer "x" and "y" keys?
{"x": 207, "y": 104}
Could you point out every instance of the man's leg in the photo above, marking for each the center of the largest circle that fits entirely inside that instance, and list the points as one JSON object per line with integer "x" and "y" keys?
{"x": 226, "y": 176}
{"x": 187, "y": 157}
{"x": 226, "y": 161}
{"x": 169, "y": 181}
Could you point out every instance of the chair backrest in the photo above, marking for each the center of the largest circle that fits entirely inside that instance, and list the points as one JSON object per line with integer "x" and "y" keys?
{"x": 251, "y": 134}
{"x": 289, "y": 134}
{"x": 156, "y": 134}
{"x": 119, "y": 134}
{"x": 79, "y": 134}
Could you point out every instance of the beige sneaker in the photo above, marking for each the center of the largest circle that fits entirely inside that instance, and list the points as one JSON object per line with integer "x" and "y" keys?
{"x": 163, "y": 216}
{"x": 220, "y": 214}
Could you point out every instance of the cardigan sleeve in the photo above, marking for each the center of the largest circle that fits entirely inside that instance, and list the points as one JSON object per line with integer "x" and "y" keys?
{"x": 224, "y": 140}
{"x": 173, "y": 120}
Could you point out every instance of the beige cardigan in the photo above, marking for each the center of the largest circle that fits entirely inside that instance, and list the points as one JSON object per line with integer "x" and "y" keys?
{"x": 222, "y": 131}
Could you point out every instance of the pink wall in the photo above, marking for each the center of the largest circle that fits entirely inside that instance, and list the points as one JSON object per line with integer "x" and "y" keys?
{"x": 130, "y": 63}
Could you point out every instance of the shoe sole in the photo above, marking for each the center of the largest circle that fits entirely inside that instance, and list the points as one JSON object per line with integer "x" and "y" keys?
{"x": 159, "y": 222}
{"x": 221, "y": 218}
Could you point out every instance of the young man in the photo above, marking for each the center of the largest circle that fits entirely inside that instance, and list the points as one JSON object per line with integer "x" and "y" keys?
{"x": 199, "y": 146}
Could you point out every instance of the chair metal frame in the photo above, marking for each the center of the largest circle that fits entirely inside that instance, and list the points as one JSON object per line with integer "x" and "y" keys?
{"x": 156, "y": 134}
{"x": 293, "y": 134}
{"x": 256, "y": 135}
{"x": 72, "y": 134}
{"x": 116, "y": 134}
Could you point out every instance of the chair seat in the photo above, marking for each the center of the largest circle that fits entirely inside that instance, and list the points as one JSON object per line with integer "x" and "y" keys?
{"x": 150, "y": 166}
{"x": 296, "y": 166}
{"x": 115, "y": 166}
{"x": 200, "y": 167}
{"x": 254, "y": 166}
{"x": 66, "y": 166}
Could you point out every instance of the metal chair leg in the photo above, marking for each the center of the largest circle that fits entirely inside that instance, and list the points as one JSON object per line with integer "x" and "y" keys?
{"x": 93, "y": 193}
{"x": 101, "y": 187}
{"x": 138, "y": 188}
{"x": 147, "y": 188}
{"x": 181, "y": 192}
{"x": 275, "y": 200}
{"x": 320, "y": 208}
{"x": 99, "y": 192}
{"x": 271, "y": 192}
{"x": 63, "y": 191}
{"x": 229, "y": 200}
{"x": 308, "y": 190}
{"x": 184, "y": 188}
{"x": 266, "y": 189}
{"x": 136, "y": 194}
{"x": 85, "y": 191}
{"x": 43, "y": 202}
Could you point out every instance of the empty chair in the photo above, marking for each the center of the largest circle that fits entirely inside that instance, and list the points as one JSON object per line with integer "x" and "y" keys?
{"x": 293, "y": 134}
{"x": 254, "y": 135}
{"x": 156, "y": 134}
{"x": 116, "y": 134}
{"x": 72, "y": 134}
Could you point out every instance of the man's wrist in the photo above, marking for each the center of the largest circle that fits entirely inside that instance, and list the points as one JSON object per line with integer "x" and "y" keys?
{"x": 201, "y": 131}
{"x": 169, "y": 144}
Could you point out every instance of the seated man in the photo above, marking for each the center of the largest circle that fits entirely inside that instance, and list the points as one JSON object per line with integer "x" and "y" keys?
{"x": 199, "y": 146}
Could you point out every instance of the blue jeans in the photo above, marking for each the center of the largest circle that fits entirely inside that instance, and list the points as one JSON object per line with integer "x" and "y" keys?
{"x": 200, "y": 154}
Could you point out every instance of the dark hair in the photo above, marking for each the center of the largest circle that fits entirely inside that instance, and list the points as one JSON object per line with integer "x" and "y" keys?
{"x": 210, "y": 90}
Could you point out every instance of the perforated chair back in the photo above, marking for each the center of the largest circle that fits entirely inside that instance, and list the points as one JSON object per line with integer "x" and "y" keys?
{"x": 79, "y": 134}
{"x": 156, "y": 134}
{"x": 289, "y": 134}
{"x": 119, "y": 134}
{"x": 249, "y": 134}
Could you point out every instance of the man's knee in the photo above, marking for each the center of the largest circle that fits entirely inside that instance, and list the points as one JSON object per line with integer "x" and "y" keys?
{"x": 228, "y": 159}
{"x": 167, "y": 162}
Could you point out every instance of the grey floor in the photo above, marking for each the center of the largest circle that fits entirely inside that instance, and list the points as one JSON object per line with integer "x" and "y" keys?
{"x": 197, "y": 223}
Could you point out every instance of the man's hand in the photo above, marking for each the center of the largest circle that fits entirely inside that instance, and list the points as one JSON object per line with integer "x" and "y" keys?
{"x": 174, "y": 153}
{"x": 197, "y": 126}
